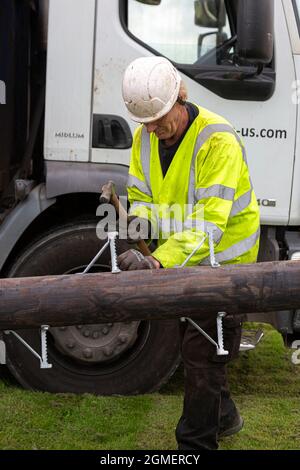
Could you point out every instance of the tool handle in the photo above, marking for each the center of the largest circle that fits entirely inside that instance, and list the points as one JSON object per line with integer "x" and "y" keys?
{"x": 115, "y": 201}
{"x": 143, "y": 247}
{"x": 109, "y": 196}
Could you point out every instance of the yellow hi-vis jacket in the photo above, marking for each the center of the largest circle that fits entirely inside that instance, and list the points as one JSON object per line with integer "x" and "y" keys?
{"x": 206, "y": 188}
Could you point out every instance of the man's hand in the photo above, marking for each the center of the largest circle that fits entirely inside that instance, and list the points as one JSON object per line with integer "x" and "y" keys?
{"x": 133, "y": 260}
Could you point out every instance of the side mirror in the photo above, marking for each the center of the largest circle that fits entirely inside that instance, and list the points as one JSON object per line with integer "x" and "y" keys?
{"x": 150, "y": 2}
{"x": 210, "y": 13}
{"x": 255, "y": 31}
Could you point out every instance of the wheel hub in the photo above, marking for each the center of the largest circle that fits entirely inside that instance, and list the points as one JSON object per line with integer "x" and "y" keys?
{"x": 95, "y": 343}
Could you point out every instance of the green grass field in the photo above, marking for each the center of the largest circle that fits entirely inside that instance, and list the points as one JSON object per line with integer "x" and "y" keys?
{"x": 264, "y": 383}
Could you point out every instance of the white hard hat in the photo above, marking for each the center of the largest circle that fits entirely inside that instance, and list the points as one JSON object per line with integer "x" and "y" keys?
{"x": 150, "y": 88}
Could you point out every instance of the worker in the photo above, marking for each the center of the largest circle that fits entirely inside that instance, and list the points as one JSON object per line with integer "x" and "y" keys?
{"x": 187, "y": 156}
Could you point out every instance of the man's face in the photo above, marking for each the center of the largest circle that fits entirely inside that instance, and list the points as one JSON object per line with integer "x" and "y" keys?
{"x": 167, "y": 126}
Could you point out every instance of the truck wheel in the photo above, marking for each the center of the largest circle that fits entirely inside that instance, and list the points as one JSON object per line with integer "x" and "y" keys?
{"x": 120, "y": 358}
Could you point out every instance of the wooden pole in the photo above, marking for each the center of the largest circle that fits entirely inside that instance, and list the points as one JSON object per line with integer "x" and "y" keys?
{"x": 144, "y": 295}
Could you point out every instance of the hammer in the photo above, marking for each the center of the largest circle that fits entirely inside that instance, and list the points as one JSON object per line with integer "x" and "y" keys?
{"x": 109, "y": 196}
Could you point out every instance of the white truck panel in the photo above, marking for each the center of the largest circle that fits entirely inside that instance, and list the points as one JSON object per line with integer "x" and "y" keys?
{"x": 69, "y": 80}
{"x": 295, "y": 93}
{"x": 295, "y": 200}
{"x": 114, "y": 51}
{"x": 270, "y": 160}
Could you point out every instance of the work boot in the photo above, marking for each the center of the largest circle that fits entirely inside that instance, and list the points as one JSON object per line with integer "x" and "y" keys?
{"x": 230, "y": 425}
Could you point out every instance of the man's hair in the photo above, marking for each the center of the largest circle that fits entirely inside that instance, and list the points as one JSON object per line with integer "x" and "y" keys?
{"x": 183, "y": 93}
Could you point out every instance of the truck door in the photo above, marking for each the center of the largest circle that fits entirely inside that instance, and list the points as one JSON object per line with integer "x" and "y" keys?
{"x": 199, "y": 38}
{"x": 292, "y": 13}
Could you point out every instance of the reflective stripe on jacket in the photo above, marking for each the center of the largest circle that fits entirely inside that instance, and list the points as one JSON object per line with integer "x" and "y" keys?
{"x": 208, "y": 179}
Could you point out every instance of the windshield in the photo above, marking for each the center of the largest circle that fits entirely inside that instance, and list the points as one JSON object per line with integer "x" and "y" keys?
{"x": 170, "y": 28}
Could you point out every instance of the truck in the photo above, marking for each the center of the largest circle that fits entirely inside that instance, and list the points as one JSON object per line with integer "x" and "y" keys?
{"x": 64, "y": 132}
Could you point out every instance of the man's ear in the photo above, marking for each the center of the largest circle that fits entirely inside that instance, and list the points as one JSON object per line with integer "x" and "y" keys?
{"x": 180, "y": 100}
{"x": 183, "y": 94}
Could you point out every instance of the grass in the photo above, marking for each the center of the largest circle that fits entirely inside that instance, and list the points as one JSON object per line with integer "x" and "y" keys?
{"x": 264, "y": 383}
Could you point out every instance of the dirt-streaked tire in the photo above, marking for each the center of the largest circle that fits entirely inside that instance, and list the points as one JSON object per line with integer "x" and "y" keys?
{"x": 144, "y": 366}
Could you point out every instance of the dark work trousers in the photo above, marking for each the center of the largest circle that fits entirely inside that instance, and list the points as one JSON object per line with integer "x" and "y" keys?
{"x": 207, "y": 402}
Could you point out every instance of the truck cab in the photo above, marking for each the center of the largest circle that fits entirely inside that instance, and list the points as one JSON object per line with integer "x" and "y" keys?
{"x": 65, "y": 131}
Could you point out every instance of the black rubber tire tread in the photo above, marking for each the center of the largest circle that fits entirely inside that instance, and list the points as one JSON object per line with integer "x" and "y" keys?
{"x": 55, "y": 252}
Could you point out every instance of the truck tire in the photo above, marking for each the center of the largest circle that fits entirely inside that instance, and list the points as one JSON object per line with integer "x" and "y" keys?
{"x": 143, "y": 366}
